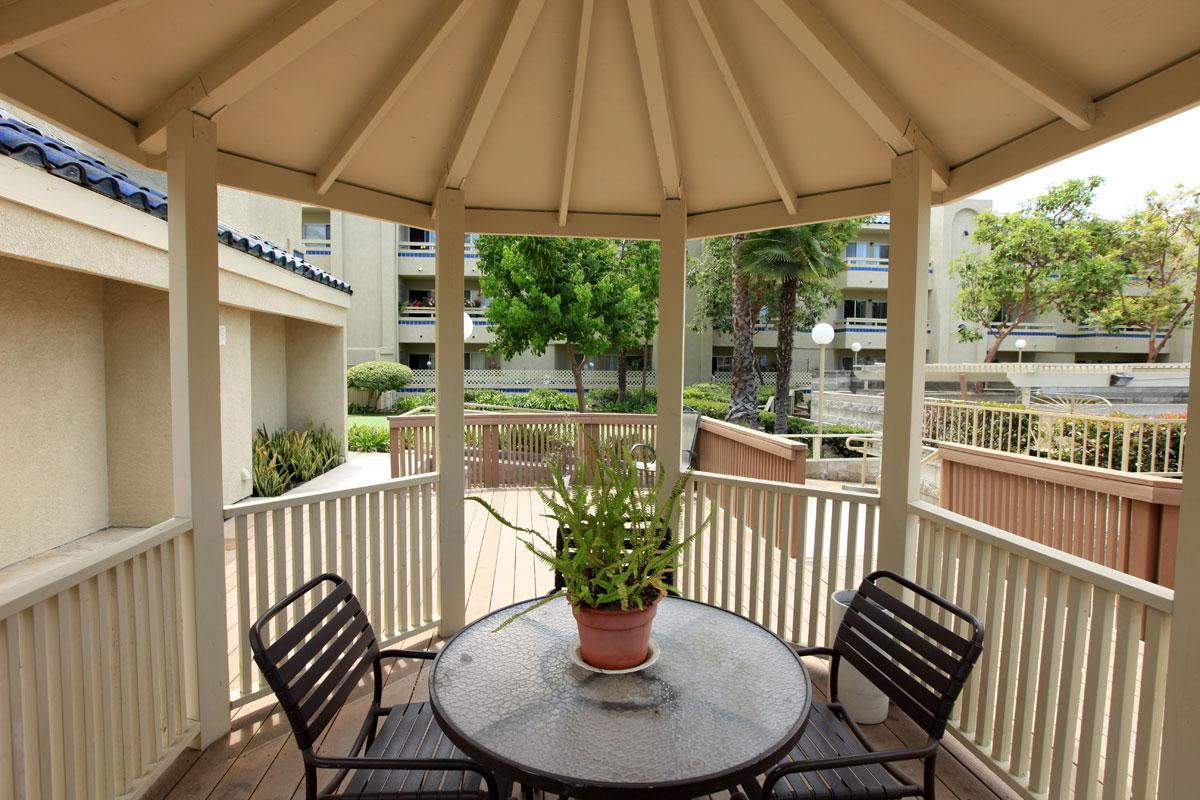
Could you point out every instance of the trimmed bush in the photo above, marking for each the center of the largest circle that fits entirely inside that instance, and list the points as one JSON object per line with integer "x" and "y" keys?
{"x": 367, "y": 439}
{"x": 282, "y": 459}
{"x": 408, "y": 402}
{"x": 377, "y": 377}
{"x": 606, "y": 400}
{"x": 547, "y": 400}
{"x": 490, "y": 397}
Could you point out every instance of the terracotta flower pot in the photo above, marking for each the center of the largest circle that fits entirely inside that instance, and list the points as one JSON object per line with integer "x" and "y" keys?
{"x": 615, "y": 639}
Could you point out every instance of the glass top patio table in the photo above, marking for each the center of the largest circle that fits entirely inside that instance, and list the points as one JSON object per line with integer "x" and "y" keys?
{"x": 725, "y": 701}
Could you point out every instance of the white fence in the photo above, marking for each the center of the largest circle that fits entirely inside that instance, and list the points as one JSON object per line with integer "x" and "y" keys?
{"x": 97, "y": 668}
{"x": 774, "y": 552}
{"x": 380, "y": 538}
{"x": 1068, "y": 697}
{"x": 535, "y": 379}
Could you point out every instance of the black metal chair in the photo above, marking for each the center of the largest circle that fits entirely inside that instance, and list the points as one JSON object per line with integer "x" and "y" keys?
{"x": 920, "y": 664}
{"x": 400, "y": 752}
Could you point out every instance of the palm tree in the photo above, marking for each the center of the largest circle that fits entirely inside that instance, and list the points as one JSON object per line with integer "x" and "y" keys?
{"x": 807, "y": 254}
{"x": 743, "y": 404}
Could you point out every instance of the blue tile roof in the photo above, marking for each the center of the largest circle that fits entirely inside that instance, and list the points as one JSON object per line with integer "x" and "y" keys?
{"x": 25, "y": 143}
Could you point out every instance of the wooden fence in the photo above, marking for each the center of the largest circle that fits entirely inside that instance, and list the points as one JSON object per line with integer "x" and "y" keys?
{"x": 1129, "y": 444}
{"x": 380, "y": 538}
{"x": 97, "y": 666}
{"x": 1119, "y": 519}
{"x": 1067, "y": 699}
{"x": 727, "y": 449}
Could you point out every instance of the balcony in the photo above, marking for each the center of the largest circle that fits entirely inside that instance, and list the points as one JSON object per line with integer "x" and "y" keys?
{"x": 1040, "y": 337}
{"x": 1133, "y": 341}
{"x": 415, "y": 259}
{"x": 871, "y": 333}
{"x": 416, "y": 326}
{"x": 863, "y": 273}
{"x": 317, "y": 252}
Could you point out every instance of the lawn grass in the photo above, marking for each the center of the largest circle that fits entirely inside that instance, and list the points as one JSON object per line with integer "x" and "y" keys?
{"x": 374, "y": 420}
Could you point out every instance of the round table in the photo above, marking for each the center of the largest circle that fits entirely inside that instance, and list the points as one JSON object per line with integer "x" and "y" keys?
{"x": 726, "y": 700}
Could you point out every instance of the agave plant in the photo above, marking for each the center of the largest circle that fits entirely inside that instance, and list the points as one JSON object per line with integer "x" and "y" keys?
{"x": 615, "y": 532}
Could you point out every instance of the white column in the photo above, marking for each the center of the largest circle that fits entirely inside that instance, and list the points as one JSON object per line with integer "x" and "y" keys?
{"x": 904, "y": 371}
{"x": 1181, "y": 734}
{"x": 196, "y": 411}
{"x": 669, "y": 410}
{"x": 448, "y": 359}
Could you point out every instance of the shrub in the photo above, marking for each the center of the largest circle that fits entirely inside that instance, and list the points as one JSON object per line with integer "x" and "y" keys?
{"x": 284, "y": 458}
{"x": 377, "y": 377}
{"x": 708, "y": 391}
{"x": 606, "y": 400}
{"x": 368, "y": 439}
{"x": 408, "y": 402}
{"x": 547, "y": 400}
{"x": 359, "y": 408}
{"x": 490, "y": 397}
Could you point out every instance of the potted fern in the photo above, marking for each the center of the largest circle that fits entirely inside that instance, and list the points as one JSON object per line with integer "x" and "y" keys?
{"x": 614, "y": 551}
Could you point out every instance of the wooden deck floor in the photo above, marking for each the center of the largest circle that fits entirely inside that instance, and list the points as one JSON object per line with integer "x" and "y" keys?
{"x": 258, "y": 760}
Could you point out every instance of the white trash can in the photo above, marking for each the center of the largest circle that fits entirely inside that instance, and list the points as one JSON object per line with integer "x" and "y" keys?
{"x": 865, "y": 704}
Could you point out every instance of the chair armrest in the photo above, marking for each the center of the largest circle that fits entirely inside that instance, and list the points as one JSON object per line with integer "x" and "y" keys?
{"x": 818, "y": 651}
{"x": 427, "y": 655}
{"x": 875, "y": 757}
{"x": 365, "y": 762}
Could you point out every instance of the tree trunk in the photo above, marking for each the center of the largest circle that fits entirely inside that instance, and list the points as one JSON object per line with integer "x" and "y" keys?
{"x": 783, "y": 352}
{"x": 645, "y": 368}
{"x": 743, "y": 405}
{"x": 577, "y": 372}
{"x": 622, "y": 369}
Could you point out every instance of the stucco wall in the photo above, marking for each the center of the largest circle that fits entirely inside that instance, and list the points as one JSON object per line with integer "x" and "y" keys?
{"x": 137, "y": 357}
{"x": 316, "y": 376}
{"x": 236, "y": 416}
{"x": 273, "y": 219}
{"x": 53, "y": 467}
{"x": 268, "y": 371}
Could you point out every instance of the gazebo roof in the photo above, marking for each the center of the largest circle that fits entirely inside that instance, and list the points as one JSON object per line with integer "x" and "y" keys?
{"x": 579, "y": 116}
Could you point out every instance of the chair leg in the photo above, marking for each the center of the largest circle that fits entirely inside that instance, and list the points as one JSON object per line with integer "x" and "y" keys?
{"x": 930, "y": 777}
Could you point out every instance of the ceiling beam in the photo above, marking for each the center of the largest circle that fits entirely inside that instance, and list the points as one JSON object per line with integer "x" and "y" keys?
{"x": 515, "y": 29}
{"x": 581, "y": 56}
{"x": 746, "y": 101}
{"x": 445, "y": 16}
{"x": 844, "y": 204}
{"x": 270, "y": 45}
{"x": 1016, "y": 66}
{"x": 647, "y": 41}
{"x": 819, "y": 42}
{"x": 28, "y": 23}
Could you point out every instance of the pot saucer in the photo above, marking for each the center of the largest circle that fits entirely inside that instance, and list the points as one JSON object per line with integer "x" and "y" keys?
{"x": 651, "y": 659}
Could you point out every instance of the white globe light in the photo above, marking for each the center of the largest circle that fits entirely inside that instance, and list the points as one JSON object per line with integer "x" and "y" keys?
{"x": 856, "y": 346}
{"x": 1020, "y": 343}
{"x": 822, "y": 333}
{"x": 468, "y": 326}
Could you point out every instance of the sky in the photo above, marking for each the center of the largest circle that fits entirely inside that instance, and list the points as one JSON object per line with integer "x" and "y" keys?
{"x": 1156, "y": 157}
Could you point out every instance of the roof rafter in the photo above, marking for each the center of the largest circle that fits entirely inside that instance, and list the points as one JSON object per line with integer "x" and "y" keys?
{"x": 270, "y": 45}
{"x": 581, "y": 55}
{"x": 1016, "y": 66}
{"x": 746, "y": 102}
{"x": 28, "y": 23}
{"x": 515, "y": 30}
{"x": 647, "y": 41}
{"x": 808, "y": 30}
{"x": 443, "y": 20}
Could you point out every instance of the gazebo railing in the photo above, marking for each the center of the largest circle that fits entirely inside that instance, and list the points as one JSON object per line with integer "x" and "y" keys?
{"x": 1068, "y": 697}
{"x": 381, "y": 538}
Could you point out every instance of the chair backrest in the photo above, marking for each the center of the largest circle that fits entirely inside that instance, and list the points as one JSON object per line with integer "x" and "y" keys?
{"x": 313, "y": 665}
{"x": 919, "y": 663}
{"x": 691, "y": 431}
{"x": 560, "y": 584}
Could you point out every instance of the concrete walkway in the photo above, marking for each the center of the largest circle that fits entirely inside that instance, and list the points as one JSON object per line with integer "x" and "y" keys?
{"x": 360, "y": 469}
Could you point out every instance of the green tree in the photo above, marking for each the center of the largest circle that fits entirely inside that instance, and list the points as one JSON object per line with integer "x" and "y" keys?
{"x": 1160, "y": 244}
{"x": 551, "y": 289}
{"x": 1054, "y": 254}
{"x": 804, "y": 260}
{"x": 377, "y": 377}
{"x": 637, "y": 264}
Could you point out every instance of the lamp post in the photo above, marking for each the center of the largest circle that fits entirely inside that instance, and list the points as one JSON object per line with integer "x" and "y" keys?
{"x": 1020, "y": 345}
{"x": 854, "y": 347}
{"x": 822, "y": 335}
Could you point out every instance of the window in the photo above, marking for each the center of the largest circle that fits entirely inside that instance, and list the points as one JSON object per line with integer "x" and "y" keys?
{"x": 419, "y": 360}
{"x": 854, "y": 308}
{"x": 879, "y": 309}
{"x": 315, "y": 230}
{"x": 856, "y": 250}
{"x": 881, "y": 251}
{"x": 466, "y": 360}
{"x": 722, "y": 363}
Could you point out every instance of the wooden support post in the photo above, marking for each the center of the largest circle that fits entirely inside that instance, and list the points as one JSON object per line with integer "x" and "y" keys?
{"x": 451, "y": 455}
{"x": 904, "y": 375}
{"x": 669, "y": 409}
{"x": 196, "y": 412}
{"x": 1181, "y": 734}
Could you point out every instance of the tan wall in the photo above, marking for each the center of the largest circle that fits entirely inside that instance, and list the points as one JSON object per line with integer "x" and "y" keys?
{"x": 236, "y": 415}
{"x": 277, "y": 221}
{"x": 53, "y": 467}
{"x": 316, "y": 376}
{"x": 268, "y": 371}
{"x": 137, "y": 358}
